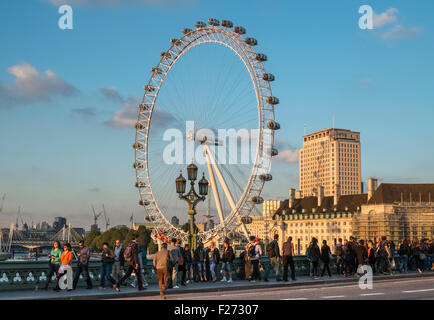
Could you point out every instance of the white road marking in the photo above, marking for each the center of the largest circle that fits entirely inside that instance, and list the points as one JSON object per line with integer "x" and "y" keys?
{"x": 295, "y": 299}
{"x": 413, "y": 291}
{"x": 371, "y": 294}
{"x": 239, "y": 294}
{"x": 332, "y": 297}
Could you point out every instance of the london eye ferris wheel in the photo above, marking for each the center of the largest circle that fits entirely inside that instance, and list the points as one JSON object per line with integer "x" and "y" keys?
{"x": 210, "y": 81}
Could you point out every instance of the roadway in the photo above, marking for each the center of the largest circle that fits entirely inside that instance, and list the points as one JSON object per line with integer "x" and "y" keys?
{"x": 393, "y": 289}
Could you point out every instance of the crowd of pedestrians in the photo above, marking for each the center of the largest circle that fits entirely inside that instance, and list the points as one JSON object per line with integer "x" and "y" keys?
{"x": 176, "y": 265}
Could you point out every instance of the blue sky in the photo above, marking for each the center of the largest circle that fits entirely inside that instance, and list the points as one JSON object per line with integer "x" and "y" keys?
{"x": 60, "y": 147}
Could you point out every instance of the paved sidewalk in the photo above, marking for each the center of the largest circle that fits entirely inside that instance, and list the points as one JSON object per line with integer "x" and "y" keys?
{"x": 152, "y": 290}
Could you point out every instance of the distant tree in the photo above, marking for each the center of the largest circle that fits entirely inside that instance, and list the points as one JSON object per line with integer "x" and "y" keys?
{"x": 90, "y": 237}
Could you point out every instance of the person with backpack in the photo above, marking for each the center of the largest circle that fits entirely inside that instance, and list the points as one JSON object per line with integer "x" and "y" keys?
{"x": 273, "y": 253}
{"x": 314, "y": 254}
{"x": 181, "y": 263}
{"x": 255, "y": 253}
{"x": 339, "y": 250}
{"x": 228, "y": 257}
{"x": 131, "y": 255}
{"x": 325, "y": 258}
{"x": 83, "y": 255}
{"x": 107, "y": 260}
{"x": 162, "y": 264}
{"x": 248, "y": 266}
{"x": 288, "y": 254}
{"x": 383, "y": 252}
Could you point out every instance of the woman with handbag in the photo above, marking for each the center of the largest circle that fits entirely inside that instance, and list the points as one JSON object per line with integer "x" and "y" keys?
{"x": 53, "y": 264}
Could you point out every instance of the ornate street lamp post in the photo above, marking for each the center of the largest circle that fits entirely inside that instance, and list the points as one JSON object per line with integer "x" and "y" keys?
{"x": 192, "y": 198}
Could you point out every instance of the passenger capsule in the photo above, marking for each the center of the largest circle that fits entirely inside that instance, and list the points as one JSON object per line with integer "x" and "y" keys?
{"x": 213, "y": 22}
{"x": 149, "y": 88}
{"x": 274, "y": 152}
{"x": 138, "y": 146}
{"x": 239, "y": 30}
{"x": 257, "y": 199}
{"x": 165, "y": 55}
{"x": 186, "y": 30}
{"x": 144, "y": 202}
{"x": 273, "y": 125}
{"x": 261, "y": 57}
{"x": 227, "y": 24}
{"x": 251, "y": 41}
{"x": 175, "y": 42}
{"x": 200, "y": 24}
{"x": 272, "y": 100}
{"x": 140, "y": 184}
{"x": 156, "y": 70}
{"x": 138, "y": 165}
{"x": 266, "y": 177}
{"x": 268, "y": 77}
{"x": 246, "y": 220}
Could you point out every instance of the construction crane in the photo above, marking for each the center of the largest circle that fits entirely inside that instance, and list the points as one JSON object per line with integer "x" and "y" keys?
{"x": 96, "y": 216}
{"x": 107, "y": 220}
{"x": 3, "y": 202}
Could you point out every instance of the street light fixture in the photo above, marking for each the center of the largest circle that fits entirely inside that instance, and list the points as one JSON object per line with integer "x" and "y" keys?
{"x": 192, "y": 198}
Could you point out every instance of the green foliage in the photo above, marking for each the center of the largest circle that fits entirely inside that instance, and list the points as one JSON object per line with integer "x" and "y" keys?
{"x": 94, "y": 240}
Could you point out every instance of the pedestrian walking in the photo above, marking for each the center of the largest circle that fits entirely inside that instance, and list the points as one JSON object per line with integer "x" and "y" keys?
{"x": 339, "y": 250}
{"x": 288, "y": 260}
{"x": 107, "y": 260}
{"x": 273, "y": 253}
{"x": 181, "y": 263}
{"x": 361, "y": 254}
{"x": 248, "y": 266}
{"x": 383, "y": 252}
{"x": 131, "y": 255}
{"x": 404, "y": 253}
{"x": 83, "y": 255}
{"x": 189, "y": 266}
{"x": 53, "y": 264}
{"x": 325, "y": 258}
{"x": 228, "y": 257}
{"x": 255, "y": 254}
{"x": 175, "y": 252}
{"x": 162, "y": 264}
{"x": 371, "y": 255}
{"x": 119, "y": 261}
{"x": 314, "y": 253}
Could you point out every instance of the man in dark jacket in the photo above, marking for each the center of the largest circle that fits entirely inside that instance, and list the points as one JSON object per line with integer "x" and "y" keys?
{"x": 107, "y": 260}
{"x": 227, "y": 258}
{"x": 325, "y": 258}
{"x": 273, "y": 253}
{"x": 361, "y": 254}
{"x": 288, "y": 260}
{"x": 314, "y": 254}
{"x": 131, "y": 255}
{"x": 83, "y": 255}
{"x": 199, "y": 257}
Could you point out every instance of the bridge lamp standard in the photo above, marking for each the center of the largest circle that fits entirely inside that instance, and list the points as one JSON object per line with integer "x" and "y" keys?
{"x": 192, "y": 198}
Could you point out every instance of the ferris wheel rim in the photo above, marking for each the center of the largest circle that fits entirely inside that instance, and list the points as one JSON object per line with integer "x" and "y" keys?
{"x": 245, "y": 52}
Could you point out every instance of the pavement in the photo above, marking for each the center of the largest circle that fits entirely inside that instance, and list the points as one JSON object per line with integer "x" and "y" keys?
{"x": 240, "y": 289}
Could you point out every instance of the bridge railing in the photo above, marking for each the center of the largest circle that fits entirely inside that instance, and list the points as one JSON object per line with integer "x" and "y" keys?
{"x": 32, "y": 275}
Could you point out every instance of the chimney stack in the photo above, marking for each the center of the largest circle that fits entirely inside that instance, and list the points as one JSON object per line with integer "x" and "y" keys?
{"x": 299, "y": 194}
{"x": 291, "y": 197}
{"x": 320, "y": 196}
{"x": 336, "y": 194}
{"x": 372, "y": 186}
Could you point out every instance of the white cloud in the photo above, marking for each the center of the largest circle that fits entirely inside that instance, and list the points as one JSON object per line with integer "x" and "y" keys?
{"x": 31, "y": 86}
{"x": 387, "y": 17}
{"x": 111, "y": 94}
{"x": 287, "y": 156}
{"x": 392, "y": 28}
{"x": 399, "y": 32}
{"x": 127, "y": 117}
